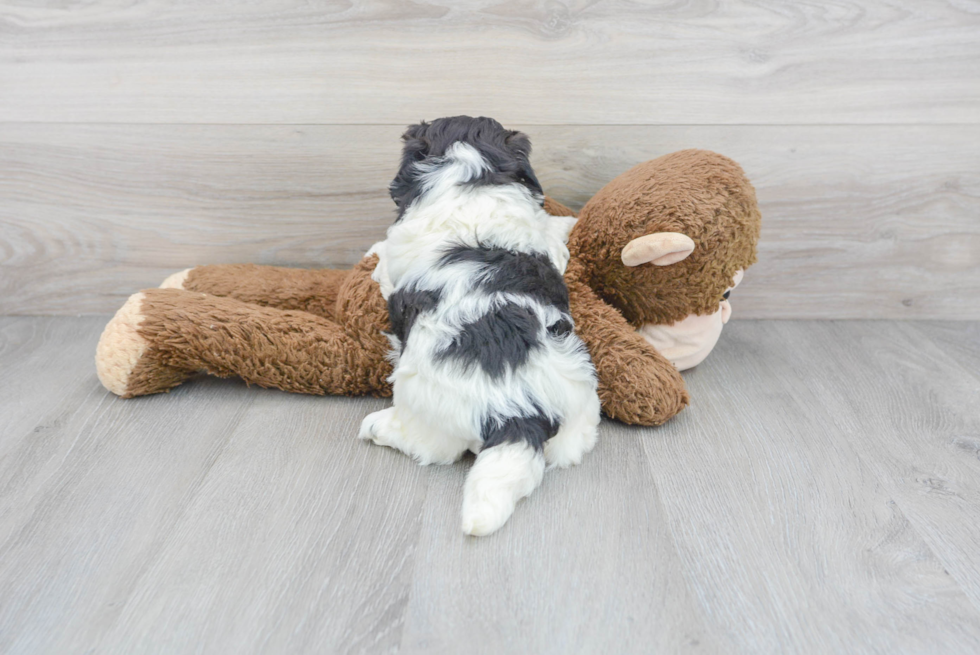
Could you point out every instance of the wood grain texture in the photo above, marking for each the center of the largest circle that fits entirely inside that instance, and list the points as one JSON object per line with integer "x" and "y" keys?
{"x": 282, "y": 61}
{"x": 37, "y": 362}
{"x": 91, "y": 214}
{"x": 587, "y": 564}
{"x": 821, "y": 494}
{"x": 95, "y": 506}
{"x": 959, "y": 341}
{"x": 910, "y": 412}
{"x": 858, "y": 221}
{"x": 793, "y": 534}
{"x": 321, "y": 526}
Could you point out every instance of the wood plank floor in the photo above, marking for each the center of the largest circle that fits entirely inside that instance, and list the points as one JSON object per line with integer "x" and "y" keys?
{"x": 535, "y": 61}
{"x": 821, "y": 494}
{"x": 858, "y": 221}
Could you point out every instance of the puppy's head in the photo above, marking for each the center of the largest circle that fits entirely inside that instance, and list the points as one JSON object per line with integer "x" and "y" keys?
{"x": 462, "y": 151}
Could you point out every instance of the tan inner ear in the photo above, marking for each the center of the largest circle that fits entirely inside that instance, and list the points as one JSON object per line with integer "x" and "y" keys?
{"x": 659, "y": 249}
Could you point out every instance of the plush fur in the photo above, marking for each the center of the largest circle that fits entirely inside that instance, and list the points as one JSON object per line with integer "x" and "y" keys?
{"x": 670, "y": 194}
{"x": 320, "y": 331}
{"x": 485, "y": 357}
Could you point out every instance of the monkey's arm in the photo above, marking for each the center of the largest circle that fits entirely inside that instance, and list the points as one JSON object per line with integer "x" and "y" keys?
{"x": 636, "y": 383}
{"x": 555, "y": 208}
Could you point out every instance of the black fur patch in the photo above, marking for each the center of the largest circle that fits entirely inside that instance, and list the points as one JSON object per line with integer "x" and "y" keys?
{"x": 533, "y": 430}
{"x": 561, "y": 328}
{"x": 405, "y": 306}
{"x": 506, "y": 152}
{"x": 514, "y": 272}
{"x": 500, "y": 339}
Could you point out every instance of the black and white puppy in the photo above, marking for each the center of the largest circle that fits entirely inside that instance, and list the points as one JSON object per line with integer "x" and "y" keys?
{"x": 484, "y": 352}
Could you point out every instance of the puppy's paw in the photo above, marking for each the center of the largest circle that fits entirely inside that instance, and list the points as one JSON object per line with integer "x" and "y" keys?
{"x": 368, "y": 426}
{"x": 566, "y": 452}
{"x": 379, "y": 427}
{"x": 562, "y": 458}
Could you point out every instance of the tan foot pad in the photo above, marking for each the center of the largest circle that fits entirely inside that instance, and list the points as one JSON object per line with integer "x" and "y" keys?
{"x": 176, "y": 281}
{"x": 121, "y": 347}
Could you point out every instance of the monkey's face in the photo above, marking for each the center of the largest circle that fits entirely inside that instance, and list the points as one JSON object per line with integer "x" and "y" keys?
{"x": 687, "y": 342}
{"x": 663, "y": 242}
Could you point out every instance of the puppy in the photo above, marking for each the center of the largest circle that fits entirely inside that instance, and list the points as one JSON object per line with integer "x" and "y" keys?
{"x": 484, "y": 352}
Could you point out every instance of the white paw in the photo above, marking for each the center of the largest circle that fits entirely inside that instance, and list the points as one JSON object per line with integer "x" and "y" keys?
{"x": 562, "y": 459}
{"x": 565, "y": 452}
{"x": 369, "y": 426}
{"x": 382, "y": 428}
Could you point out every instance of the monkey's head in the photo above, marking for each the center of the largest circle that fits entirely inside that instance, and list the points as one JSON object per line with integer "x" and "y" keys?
{"x": 666, "y": 242}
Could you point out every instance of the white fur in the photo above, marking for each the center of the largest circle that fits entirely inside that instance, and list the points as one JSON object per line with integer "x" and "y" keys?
{"x": 440, "y": 406}
{"x": 576, "y": 436}
{"x": 380, "y": 274}
{"x": 503, "y": 216}
{"x": 500, "y": 477}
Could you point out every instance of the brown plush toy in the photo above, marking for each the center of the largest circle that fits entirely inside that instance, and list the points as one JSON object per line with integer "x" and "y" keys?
{"x": 653, "y": 255}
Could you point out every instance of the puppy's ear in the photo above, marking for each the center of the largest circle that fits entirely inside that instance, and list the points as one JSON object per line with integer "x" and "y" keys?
{"x": 518, "y": 143}
{"x": 527, "y": 177}
{"x": 405, "y": 187}
{"x": 416, "y": 143}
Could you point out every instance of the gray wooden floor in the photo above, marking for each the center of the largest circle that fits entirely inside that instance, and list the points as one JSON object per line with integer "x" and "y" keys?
{"x": 822, "y": 494}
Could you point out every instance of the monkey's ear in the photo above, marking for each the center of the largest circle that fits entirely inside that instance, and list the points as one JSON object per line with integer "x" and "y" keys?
{"x": 659, "y": 249}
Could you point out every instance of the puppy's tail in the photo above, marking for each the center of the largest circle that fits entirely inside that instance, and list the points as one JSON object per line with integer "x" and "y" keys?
{"x": 509, "y": 467}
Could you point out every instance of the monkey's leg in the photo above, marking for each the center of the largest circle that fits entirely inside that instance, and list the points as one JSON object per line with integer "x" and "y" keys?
{"x": 162, "y": 336}
{"x": 309, "y": 290}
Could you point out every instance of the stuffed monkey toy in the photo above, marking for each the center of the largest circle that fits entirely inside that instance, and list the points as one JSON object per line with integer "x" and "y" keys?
{"x": 654, "y": 255}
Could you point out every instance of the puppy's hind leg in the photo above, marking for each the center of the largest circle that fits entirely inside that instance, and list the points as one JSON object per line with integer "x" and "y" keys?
{"x": 509, "y": 467}
{"x": 397, "y": 428}
{"x": 576, "y": 436}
